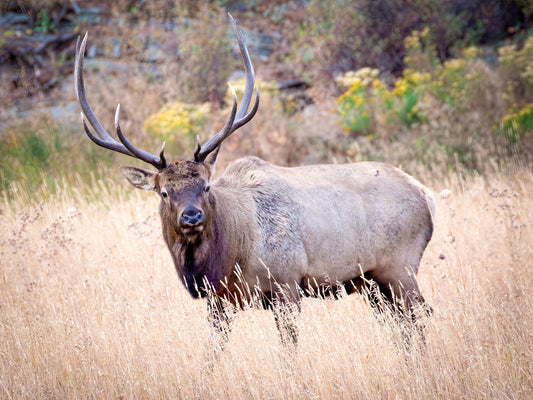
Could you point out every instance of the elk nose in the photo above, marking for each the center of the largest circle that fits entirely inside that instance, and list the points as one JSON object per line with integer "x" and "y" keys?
{"x": 192, "y": 216}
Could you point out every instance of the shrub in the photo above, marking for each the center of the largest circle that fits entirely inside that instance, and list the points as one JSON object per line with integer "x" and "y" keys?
{"x": 517, "y": 68}
{"x": 368, "y": 104}
{"x": 449, "y": 85}
{"x": 356, "y": 105}
{"x": 421, "y": 53}
{"x": 517, "y": 126}
{"x": 177, "y": 124}
{"x": 455, "y": 82}
{"x": 409, "y": 91}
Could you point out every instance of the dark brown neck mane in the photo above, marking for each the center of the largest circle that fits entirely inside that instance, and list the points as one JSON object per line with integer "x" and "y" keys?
{"x": 203, "y": 260}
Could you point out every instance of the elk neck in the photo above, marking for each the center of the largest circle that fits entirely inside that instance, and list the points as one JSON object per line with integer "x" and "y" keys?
{"x": 210, "y": 256}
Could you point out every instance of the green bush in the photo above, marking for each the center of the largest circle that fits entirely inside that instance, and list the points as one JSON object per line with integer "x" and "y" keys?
{"x": 368, "y": 103}
{"x": 517, "y": 126}
{"x": 354, "y": 106}
{"x": 449, "y": 85}
{"x": 409, "y": 92}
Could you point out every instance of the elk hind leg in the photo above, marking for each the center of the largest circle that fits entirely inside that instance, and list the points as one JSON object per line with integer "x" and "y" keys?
{"x": 398, "y": 292}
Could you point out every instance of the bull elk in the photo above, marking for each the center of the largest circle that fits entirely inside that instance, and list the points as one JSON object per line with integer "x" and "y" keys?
{"x": 282, "y": 233}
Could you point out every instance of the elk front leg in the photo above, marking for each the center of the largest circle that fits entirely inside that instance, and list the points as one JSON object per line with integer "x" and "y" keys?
{"x": 286, "y": 306}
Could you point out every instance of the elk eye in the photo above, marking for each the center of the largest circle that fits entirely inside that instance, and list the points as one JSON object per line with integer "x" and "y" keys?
{"x": 164, "y": 193}
{"x": 207, "y": 188}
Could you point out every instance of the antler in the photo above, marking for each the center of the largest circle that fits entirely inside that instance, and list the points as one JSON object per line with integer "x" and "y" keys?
{"x": 102, "y": 138}
{"x": 238, "y": 117}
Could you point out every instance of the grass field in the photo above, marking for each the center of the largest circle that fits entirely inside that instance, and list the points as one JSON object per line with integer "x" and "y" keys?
{"x": 91, "y": 307}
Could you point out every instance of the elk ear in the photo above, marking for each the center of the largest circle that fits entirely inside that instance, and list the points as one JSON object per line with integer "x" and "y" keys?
{"x": 211, "y": 161}
{"x": 139, "y": 178}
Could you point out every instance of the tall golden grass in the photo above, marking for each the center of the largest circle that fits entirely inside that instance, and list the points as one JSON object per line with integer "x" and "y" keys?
{"x": 90, "y": 307}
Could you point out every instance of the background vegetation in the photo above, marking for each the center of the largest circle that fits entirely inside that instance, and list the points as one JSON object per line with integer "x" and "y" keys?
{"x": 422, "y": 85}
{"x": 89, "y": 303}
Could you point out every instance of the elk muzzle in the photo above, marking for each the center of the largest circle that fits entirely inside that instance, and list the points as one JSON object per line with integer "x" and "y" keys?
{"x": 192, "y": 220}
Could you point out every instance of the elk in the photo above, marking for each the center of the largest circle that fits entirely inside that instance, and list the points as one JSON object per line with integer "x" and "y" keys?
{"x": 283, "y": 233}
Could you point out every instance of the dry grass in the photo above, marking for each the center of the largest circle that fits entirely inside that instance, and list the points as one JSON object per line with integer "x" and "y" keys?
{"x": 90, "y": 307}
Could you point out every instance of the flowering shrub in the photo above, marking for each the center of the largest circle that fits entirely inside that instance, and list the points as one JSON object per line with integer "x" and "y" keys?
{"x": 408, "y": 93}
{"x": 517, "y": 125}
{"x": 178, "y": 124}
{"x": 518, "y": 62}
{"x": 355, "y": 104}
{"x": 451, "y": 82}
{"x": 368, "y": 102}
{"x": 421, "y": 51}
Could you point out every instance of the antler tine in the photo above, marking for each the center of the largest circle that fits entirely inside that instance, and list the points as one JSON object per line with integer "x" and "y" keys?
{"x": 239, "y": 117}
{"x": 159, "y": 162}
{"x": 80, "y": 91}
{"x": 98, "y": 140}
{"x": 248, "y": 70}
{"x": 102, "y": 138}
{"x": 197, "y": 149}
{"x": 201, "y": 152}
{"x": 244, "y": 120}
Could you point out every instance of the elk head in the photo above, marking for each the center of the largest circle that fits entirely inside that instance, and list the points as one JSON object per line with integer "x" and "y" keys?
{"x": 183, "y": 185}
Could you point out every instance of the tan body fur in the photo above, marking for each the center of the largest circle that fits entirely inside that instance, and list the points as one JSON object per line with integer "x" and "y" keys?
{"x": 325, "y": 224}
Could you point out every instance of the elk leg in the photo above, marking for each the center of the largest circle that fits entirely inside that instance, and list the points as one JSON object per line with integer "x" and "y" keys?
{"x": 220, "y": 317}
{"x": 400, "y": 293}
{"x": 286, "y": 306}
{"x": 399, "y": 288}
